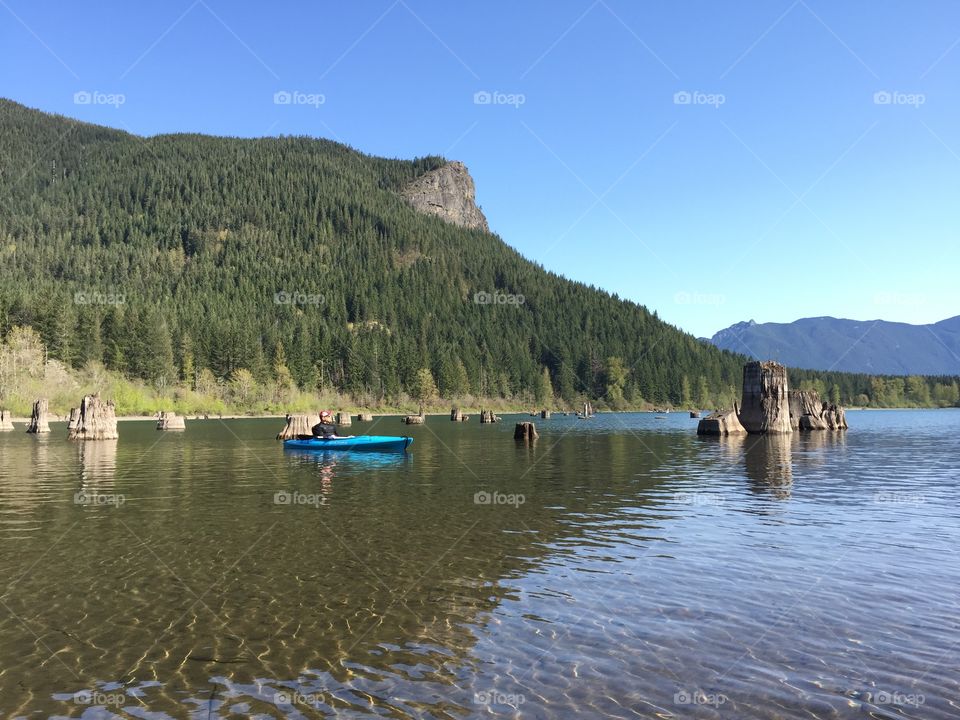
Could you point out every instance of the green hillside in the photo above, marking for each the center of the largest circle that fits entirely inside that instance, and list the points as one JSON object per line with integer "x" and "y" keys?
{"x": 194, "y": 261}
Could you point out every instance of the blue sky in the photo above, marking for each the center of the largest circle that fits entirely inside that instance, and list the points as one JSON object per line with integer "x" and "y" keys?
{"x": 714, "y": 161}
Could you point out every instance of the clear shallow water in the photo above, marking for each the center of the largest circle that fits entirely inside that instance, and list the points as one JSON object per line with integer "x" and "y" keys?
{"x": 621, "y": 567}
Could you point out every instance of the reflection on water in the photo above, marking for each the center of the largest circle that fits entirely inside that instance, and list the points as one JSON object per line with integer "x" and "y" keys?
{"x": 645, "y": 573}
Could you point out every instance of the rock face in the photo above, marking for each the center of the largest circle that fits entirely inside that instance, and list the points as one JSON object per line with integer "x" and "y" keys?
{"x": 765, "y": 406}
{"x": 39, "y": 421}
{"x": 6, "y": 421}
{"x": 722, "y": 422}
{"x": 449, "y": 193}
{"x": 98, "y": 420}
{"x": 171, "y": 421}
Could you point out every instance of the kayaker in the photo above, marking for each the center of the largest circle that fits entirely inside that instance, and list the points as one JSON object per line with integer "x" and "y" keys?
{"x": 326, "y": 428}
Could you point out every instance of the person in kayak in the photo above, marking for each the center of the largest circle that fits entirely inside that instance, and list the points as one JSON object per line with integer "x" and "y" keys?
{"x": 325, "y": 429}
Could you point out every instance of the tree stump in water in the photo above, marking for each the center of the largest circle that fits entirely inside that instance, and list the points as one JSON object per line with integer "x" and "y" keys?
{"x": 170, "y": 421}
{"x": 765, "y": 407}
{"x": 344, "y": 419}
{"x": 456, "y": 415}
{"x": 6, "y": 421}
{"x": 525, "y": 431}
{"x": 694, "y": 414}
{"x": 39, "y": 422}
{"x": 487, "y": 416}
{"x": 544, "y": 414}
{"x": 98, "y": 420}
{"x": 74, "y": 419}
{"x": 298, "y": 426}
{"x": 722, "y": 422}
{"x": 414, "y": 419}
{"x": 365, "y": 417}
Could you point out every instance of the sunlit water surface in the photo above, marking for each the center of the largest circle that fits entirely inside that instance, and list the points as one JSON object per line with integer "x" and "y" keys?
{"x": 619, "y": 567}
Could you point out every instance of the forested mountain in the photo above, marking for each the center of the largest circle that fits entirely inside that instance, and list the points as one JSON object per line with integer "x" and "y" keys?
{"x": 195, "y": 261}
{"x": 868, "y": 346}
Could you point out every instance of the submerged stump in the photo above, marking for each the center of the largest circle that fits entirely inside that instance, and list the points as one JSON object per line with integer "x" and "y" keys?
{"x": 456, "y": 415}
{"x": 74, "y": 419}
{"x": 545, "y": 414}
{"x": 365, "y": 417}
{"x": 344, "y": 419}
{"x": 98, "y": 420}
{"x": 487, "y": 416}
{"x": 525, "y": 431}
{"x": 6, "y": 421}
{"x": 39, "y": 417}
{"x": 171, "y": 421}
{"x": 722, "y": 422}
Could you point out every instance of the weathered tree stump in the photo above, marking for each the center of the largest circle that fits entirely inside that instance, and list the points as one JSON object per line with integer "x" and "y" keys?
{"x": 74, "y": 419}
{"x": 525, "y": 431}
{"x": 544, "y": 414}
{"x": 487, "y": 416}
{"x": 6, "y": 421}
{"x": 365, "y": 417}
{"x": 98, "y": 420}
{"x": 170, "y": 421}
{"x": 298, "y": 426}
{"x": 39, "y": 420}
{"x": 415, "y": 419}
{"x": 464, "y": 418}
{"x": 835, "y": 417}
{"x": 722, "y": 422}
{"x": 344, "y": 419}
{"x": 456, "y": 415}
{"x": 765, "y": 407}
{"x": 694, "y": 414}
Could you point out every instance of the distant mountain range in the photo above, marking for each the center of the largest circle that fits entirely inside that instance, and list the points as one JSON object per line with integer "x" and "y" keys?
{"x": 864, "y": 346}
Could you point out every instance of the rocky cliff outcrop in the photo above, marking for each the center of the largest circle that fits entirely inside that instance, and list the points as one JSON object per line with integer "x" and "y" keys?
{"x": 449, "y": 193}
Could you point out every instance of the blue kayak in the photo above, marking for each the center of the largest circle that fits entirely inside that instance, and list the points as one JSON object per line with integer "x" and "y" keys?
{"x": 358, "y": 442}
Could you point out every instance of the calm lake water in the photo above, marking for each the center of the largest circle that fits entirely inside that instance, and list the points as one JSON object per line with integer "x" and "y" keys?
{"x": 620, "y": 567}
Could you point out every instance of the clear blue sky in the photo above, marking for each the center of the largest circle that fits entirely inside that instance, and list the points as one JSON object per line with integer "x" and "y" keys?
{"x": 785, "y": 188}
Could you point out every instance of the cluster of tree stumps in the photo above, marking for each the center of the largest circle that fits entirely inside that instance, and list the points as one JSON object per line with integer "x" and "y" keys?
{"x": 488, "y": 416}
{"x": 768, "y": 406}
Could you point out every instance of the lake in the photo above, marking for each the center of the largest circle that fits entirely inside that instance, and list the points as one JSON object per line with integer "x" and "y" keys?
{"x": 618, "y": 567}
